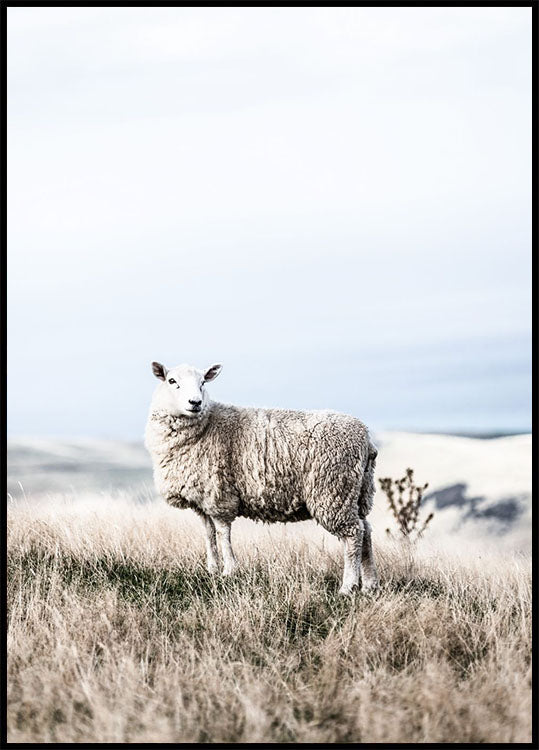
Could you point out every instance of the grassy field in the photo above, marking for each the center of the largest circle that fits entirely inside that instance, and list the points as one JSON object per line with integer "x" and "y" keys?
{"x": 118, "y": 634}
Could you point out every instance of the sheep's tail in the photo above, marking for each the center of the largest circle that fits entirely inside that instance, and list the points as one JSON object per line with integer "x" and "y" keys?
{"x": 366, "y": 493}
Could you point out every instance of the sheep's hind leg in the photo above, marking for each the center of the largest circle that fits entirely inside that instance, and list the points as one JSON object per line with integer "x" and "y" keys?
{"x": 370, "y": 576}
{"x": 353, "y": 542}
{"x": 212, "y": 554}
{"x": 223, "y": 532}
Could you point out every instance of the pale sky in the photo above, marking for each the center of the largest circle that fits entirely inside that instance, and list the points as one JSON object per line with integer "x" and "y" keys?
{"x": 334, "y": 203}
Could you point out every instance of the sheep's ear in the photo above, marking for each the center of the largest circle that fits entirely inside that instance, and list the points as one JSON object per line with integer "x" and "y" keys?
{"x": 212, "y": 372}
{"x": 159, "y": 370}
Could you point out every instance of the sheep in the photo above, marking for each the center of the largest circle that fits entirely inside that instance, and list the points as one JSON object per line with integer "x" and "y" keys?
{"x": 270, "y": 465}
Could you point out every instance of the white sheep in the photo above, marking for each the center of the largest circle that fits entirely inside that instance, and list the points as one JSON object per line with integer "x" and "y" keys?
{"x": 270, "y": 465}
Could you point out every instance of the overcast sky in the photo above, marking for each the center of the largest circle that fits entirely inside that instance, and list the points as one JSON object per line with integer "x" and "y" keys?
{"x": 335, "y": 203}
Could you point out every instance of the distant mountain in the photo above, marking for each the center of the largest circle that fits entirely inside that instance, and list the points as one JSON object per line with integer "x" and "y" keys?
{"x": 44, "y": 466}
{"x": 479, "y": 489}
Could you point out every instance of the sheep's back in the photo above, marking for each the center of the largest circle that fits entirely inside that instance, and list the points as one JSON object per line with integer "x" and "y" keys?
{"x": 282, "y": 461}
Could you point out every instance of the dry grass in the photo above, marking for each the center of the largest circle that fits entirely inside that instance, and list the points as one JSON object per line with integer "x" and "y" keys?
{"x": 117, "y": 634}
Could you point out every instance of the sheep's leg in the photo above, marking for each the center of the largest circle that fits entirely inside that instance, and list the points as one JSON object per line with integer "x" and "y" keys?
{"x": 352, "y": 560}
{"x": 370, "y": 576}
{"x": 223, "y": 532}
{"x": 212, "y": 554}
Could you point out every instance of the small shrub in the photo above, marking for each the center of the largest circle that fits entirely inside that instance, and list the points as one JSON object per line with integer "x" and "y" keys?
{"x": 404, "y": 498}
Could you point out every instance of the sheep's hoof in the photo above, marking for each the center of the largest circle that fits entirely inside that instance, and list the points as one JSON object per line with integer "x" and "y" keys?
{"x": 348, "y": 590}
{"x": 213, "y": 568}
{"x": 227, "y": 572}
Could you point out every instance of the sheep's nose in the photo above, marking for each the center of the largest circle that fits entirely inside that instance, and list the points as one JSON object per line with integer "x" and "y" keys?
{"x": 195, "y": 403}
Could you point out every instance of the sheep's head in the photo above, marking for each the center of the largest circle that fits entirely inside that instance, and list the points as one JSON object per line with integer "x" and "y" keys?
{"x": 183, "y": 389}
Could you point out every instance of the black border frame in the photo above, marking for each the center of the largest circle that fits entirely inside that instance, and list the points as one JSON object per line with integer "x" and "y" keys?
{"x": 534, "y": 4}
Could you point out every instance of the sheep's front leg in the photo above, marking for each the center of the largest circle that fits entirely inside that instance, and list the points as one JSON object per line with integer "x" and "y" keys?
{"x": 352, "y": 560}
{"x": 223, "y": 532}
{"x": 212, "y": 555}
{"x": 368, "y": 568}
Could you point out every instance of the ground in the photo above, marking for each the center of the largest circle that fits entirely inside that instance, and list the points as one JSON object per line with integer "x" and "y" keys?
{"x": 118, "y": 634}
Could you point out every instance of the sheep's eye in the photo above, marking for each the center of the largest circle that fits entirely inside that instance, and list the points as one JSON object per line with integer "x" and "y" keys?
{"x": 171, "y": 381}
